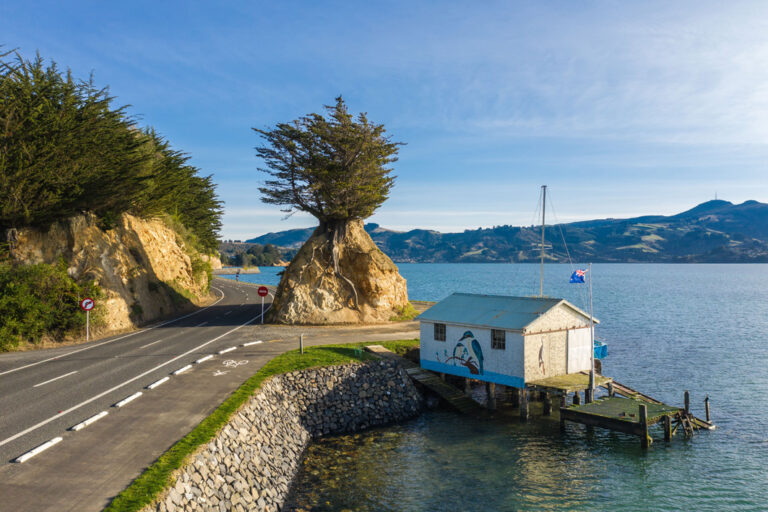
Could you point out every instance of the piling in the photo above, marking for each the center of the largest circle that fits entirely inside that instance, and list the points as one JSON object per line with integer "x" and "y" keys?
{"x": 514, "y": 398}
{"x": 667, "y": 428}
{"x": 611, "y": 391}
{"x": 490, "y": 389}
{"x": 644, "y": 439}
{"x": 467, "y": 386}
{"x": 547, "y": 405}
{"x": 576, "y": 398}
{"x": 706, "y": 408}
{"x": 524, "y": 404}
{"x": 687, "y": 402}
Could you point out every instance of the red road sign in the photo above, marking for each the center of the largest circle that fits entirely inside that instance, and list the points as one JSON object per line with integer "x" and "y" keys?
{"x": 87, "y": 304}
{"x": 263, "y": 291}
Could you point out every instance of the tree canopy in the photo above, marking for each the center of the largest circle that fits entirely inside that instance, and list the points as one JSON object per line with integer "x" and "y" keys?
{"x": 334, "y": 167}
{"x": 65, "y": 149}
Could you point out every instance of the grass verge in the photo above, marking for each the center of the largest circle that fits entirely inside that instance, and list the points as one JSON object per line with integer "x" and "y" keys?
{"x": 158, "y": 476}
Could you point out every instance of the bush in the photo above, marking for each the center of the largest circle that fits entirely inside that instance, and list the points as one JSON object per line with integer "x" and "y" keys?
{"x": 38, "y": 300}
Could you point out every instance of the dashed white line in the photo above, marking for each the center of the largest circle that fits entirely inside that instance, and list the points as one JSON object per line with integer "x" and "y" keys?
{"x": 148, "y": 344}
{"x": 110, "y": 341}
{"x": 204, "y": 359}
{"x": 158, "y": 382}
{"x": 57, "y": 378}
{"x": 182, "y": 370}
{"x": 90, "y": 420}
{"x": 230, "y": 349}
{"x": 41, "y": 448}
{"x": 228, "y": 312}
{"x": 251, "y": 343}
{"x": 131, "y": 398}
{"x": 125, "y": 383}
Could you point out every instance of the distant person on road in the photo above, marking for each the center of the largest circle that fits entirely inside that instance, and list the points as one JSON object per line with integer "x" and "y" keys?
{"x": 237, "y": 275}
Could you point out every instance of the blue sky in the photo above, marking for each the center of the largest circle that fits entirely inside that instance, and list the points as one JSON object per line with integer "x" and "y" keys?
{"x": 621, "y": 108}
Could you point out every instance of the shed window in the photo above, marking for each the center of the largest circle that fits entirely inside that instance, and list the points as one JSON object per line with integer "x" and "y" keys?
{"x": 498, "y": 339}
{"x": 439, "y": 332}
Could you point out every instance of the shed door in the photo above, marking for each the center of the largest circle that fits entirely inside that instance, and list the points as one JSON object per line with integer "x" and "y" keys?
{"x": 579, "y": 358}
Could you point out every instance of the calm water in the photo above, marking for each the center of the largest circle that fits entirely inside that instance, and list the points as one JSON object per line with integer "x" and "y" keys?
{"x": 669, "y": 328}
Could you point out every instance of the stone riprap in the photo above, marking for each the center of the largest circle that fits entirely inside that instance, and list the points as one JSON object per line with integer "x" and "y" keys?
{"x": 251, "y": 463}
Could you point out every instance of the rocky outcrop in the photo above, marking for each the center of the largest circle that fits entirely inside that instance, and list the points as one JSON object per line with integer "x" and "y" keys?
{"x": 253, "y": 460}
{"x": 363, "y": 287}
{"x": 143, "y": 266}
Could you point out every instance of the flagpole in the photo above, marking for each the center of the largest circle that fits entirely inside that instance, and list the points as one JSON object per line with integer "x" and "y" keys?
{"x": 591, "y": 338}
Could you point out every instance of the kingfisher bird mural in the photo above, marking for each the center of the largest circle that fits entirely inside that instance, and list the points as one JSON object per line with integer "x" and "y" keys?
{"x": 467, "y": 353}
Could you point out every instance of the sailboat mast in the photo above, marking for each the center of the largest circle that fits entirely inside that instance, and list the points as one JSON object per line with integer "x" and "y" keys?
{"x": 543, "y": 217}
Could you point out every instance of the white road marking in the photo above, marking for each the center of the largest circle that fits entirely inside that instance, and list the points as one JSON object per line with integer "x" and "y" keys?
{"x": 39, "y": 449}
{"x": 231, "y": 363}
{"x": 129, "y": 399}
{"x": 218, "y": 373}
{"x": 182, "y": 370}
{"x": 56, "y": 378}
{"x": 251, "y": 343}
{"x": 149, "y": 344}
{"x": 125, "y": 383}
{"x": 90, "y": 420}
{"x": 204, "y": 359}
{"x": 120, "y": 338}
{"x": 228, "y": 312}
{"x": 230, "y": 349}
{"x": 158, "y": 382}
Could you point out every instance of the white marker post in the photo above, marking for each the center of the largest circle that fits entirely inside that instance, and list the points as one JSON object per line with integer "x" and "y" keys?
{"x": 87, "y": 305}
{"x": 263, "y": 291}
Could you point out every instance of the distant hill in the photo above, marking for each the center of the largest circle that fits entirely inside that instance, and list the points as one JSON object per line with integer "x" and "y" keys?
{"x": 714, "y": 232}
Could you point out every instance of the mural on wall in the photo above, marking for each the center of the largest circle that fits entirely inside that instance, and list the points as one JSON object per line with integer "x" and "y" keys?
{"x": 467, "y": 352}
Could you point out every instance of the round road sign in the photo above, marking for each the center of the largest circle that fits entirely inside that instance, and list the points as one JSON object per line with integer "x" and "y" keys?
{"x": 263, "y": 291}
{"x": 87, "y": 304}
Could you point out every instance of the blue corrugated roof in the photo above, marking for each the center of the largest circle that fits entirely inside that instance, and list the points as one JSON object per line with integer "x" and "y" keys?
{"x": 497, "y": 311}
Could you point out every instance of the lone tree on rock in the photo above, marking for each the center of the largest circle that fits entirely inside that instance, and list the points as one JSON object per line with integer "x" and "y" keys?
{"x": 334, "y": 167}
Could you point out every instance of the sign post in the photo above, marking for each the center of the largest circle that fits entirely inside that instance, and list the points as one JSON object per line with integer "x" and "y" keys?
{"x": 262, "y": 291}
{"x": 87, "y": 305}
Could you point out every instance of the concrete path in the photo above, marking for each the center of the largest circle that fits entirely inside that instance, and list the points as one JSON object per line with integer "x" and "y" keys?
{"x": 44, "y": 393}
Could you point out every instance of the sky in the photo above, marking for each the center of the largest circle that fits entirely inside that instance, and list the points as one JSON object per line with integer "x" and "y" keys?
{"x": 620, "y": 108}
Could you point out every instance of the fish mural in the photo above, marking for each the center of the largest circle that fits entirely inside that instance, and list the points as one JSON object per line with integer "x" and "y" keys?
{"x": 468, "y": 353}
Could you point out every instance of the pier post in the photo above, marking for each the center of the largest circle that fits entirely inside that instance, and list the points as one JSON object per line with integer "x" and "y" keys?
{"x": 644, "y": 439}
{"x": 706, "y": 408}
{"x": 611, "y": 391}
{"x": 490, "y": 389}
{"x": 467, "y": 386}
{"x": 564, "y": 399}
{"x": 667, "y": 428}
{"x": 587, "y": 396}
{"x": 524, "y": 404}
{"x": 576, "y": 398}
{"x": 687, "y": 402}
{"x": 515, "y": 397}
{"x": 442, "y": 377}
{"x": 547, "y": 404}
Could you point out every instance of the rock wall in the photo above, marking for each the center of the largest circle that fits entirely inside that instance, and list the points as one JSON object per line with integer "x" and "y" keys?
{"x": 251, "y": 463}
{"x": 311, "y": 293}
{"x": 143, "y": 267}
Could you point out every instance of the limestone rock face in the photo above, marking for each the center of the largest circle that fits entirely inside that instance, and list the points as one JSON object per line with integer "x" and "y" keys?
{"x": 310, "y": 292}
{"x": 141, "y": 265}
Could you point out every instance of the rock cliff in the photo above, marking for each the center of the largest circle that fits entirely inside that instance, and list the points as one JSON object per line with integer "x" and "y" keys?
{"x": 367, "y": 287}
{"x": 143, "y": 266}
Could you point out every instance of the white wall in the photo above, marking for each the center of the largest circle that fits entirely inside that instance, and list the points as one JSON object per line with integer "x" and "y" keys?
{"x": 579, "y": 357}
{"x": 499, "y": 366}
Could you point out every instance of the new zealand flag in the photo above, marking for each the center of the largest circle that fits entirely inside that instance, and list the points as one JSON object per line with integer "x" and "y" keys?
{"x": 578, "y": 276}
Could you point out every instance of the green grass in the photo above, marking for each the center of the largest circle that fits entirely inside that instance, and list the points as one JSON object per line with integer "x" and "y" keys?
{"x": 158, "y": 476}
{"x": 406, "y": 313}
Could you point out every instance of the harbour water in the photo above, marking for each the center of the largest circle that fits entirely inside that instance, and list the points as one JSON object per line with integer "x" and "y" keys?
{"x": 669, "y": 328}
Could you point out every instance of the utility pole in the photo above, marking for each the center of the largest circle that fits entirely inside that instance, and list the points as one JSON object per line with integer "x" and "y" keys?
{"x": 543, "y": 213}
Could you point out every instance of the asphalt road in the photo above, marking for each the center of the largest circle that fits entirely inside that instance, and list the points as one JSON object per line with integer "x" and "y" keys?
{"x": 45, "y": 393}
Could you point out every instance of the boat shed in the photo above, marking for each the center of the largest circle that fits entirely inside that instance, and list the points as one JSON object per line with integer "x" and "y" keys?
{"x": 505, "y": 340}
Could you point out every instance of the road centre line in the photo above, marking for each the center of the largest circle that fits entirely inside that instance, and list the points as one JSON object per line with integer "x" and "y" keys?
{"x": 55, "y": 378}
{"x": 125, "y": 383}
{"x": 39, "y": 449}
{"x": 120, "y": 338}
{"x": 90, "y": 420}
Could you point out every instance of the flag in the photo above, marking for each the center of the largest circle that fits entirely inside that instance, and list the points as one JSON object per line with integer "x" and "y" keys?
{"x": 578, "y": 276}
